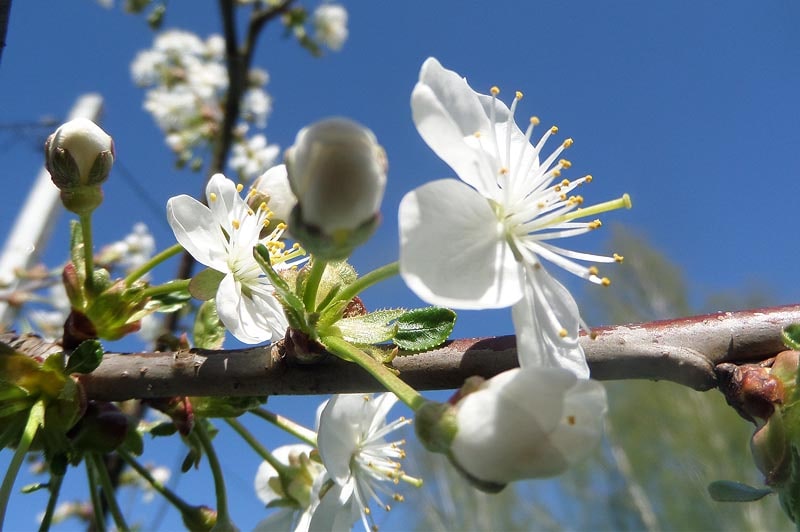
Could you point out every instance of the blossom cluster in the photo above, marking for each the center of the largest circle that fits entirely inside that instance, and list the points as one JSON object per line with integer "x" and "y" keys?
{"x": 187, "y": 82}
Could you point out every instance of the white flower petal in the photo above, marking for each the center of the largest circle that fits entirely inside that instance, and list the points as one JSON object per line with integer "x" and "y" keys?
{"x": 504, "y": 428}
{"x": 279, "y": 519}
{"x": 197, "y": 231}
{"x": 452, "y": 248}
{"x": 239, "y": 314}
{"x": 265, "y": 471}
{"x": 585, "y": 407}
{"x": 446, "y": 112}
{"x": 224, "y": 201}
{"x": 275, "y": 183}
{"x": 338, "y": 434}
{"x": 547, "y": 311}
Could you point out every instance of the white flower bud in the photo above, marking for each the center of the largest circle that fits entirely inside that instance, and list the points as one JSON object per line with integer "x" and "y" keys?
{"x": 272, "y": 187}
{"x": 527, "y": 423}
{"x": 79, "y": 156}
{"x": 337, "y": 171}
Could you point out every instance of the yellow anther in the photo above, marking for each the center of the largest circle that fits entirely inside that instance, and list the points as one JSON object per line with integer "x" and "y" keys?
{"x": 606, "y": 281}
{"x": 535, "y": 120}
{"x": 388, "y": 508}
{"x": 618, "y": 258}
{"x": 563, "y": 333}
{"x": 588, "y": 178}
{"x": 495, "y": 90}
{"x": 578, "y": 199}
{"x": 367, "y": 511}
{"x": 239, "y": 187}
{"x": 565, "y": 183}
{"x": 541, "y": 205}
{"x": 564, "y": 163}
{"x": 250, "y": 211}
{"x": 262, "y": 206}
{"x": 518, "y": 95}
{"x": 397, "y": 497}
{"x": 296, "y": 245}
{"x": 553, "y": 130}
{"x": 281, "y": 226}
{"x": 569, "y": 142}
{"x": 504, "y": 171}
{"x": 212, "y": 197}
{"x": 593, "y": 270}
{"x": 557, "y": 188}
{"x": 556, "y": 172}
{"x": 571, "y": 420}
{"x": 595, "y": 224}
{"x": 563, "y": 197}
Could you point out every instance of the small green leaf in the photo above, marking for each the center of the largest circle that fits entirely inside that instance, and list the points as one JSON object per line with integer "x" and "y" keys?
{"x": 209, "y": 333}
{"x": 86, "y": 358}
{"x": 424, "y": 329}
{"x": 791, "y": 336}
{"x": 203, "y": 286}
{"x": 133, "y": 442}
{"x": 372, "y": 328}
{"x": 732, "y": 491}
{"x": 30, "y": 488}
{"x": 167, "y": 428}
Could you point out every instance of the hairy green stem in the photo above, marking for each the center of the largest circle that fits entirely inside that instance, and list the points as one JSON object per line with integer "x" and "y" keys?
{"x": 365, "y": 281}
{"x": 108, "y": 490}
{"x": 295, "y": 429}
{"x": 312, "y": 284}
{"x": 382, "y": 374}
{"x": 88, "y": 256}
{"x": 35, "y": 420}
{"x": 262, "y": 451}
{"x": 154, "y": 261}
{"x": 166, "y": 288}
{"x": 224, "y": 522}
{"x": 54, "y": 486}
{"x": 97, "y": 503}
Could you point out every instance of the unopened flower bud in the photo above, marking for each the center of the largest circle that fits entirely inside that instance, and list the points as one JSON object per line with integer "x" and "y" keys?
{"x": 79, "y": 156}
{"x": 337, "y": 172}
{"x": 526, "y": 423}
{"x": 272, "y": 187}
{"x": 102, "y": 428}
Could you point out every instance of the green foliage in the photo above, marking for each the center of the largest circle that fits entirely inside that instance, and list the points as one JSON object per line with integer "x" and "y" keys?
{"x": 731, "y": 491}
{"x": 791, "y": 336}
{"x": 425, "y": 328}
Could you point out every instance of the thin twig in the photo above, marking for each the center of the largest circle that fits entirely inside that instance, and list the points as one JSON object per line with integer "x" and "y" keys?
{"x": 685, "y": 351}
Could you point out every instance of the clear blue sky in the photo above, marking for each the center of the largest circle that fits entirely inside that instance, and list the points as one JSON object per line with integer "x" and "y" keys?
{"x": 690, "y": 106}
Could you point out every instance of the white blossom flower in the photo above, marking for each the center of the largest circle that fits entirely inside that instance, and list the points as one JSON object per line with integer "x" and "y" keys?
{"x": 491, "y": 229}
{"x": 274, "y": 186}
{"x": 251, "y": 157}
{"x": 330, "y": 25}
{"x": 292, "y": 510}
{"x": 222, "y": 236}
{"x": 528, "y": 423}
{"x": 352, "y": 432}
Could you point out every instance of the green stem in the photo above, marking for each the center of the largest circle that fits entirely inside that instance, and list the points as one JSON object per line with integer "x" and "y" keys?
{"x": 164, "y": 491}
{"x": 35, "y": 420}
{"x": 54, "y": 486}
{"x": 312, "y": 284}
{"x": 154, "y": 261}
{"x": 369, "y": 279}
{"x": 88, "y": 256}
{"x": 166, "y": 288}
{"x": 97, "y": 504}
{"x": 109, "y": 493}
{"x": 295, "y": 429}
{"x": 223, "y": 517}
{"x": 382, "y": 374}
{"x": 262, "y": 451}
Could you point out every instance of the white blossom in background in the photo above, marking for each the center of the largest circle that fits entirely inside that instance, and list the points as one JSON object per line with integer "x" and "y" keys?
{"x": 292, "y": 510}
{"x": 250, "y": 157}
{"x": 131, "y": 252}
{"x": 362, "y": 465}
{"x": 187, "y": 82}
{"x": 133, "y": 479}
{"x": 528, "y": 423}
{"x": 478, "y": 242}
{"x": 222, "y": 236}
{"x": 48, "y": 321}
{"x": 330, "y": 25}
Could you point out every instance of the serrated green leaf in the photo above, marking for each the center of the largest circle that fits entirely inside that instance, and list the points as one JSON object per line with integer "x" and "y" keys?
{"x": 85, "y": 358}
{"x": 203, "y": 286}
{"x": 209, "y": 333}
{"x": 791, "y": 336}
{"x": 424, "y": 329}
{"x": 372, "y": 328}
{"x": 732, "y": 491}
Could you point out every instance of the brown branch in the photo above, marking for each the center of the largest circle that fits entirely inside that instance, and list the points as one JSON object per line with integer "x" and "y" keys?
{"x": 685, "y": 351}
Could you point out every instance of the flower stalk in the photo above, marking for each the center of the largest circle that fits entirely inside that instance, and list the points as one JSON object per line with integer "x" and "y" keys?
{"x": 154, "y": 261}
{"x": 224, "y": 522}
{"x": 54, "y": 487}
{"x": 35, "y": 420}
{"x": 365, "y": 281}
{"x": 295, "y": 429}
{"x": 104, "y": 479}
{"x": 260, "y": 450}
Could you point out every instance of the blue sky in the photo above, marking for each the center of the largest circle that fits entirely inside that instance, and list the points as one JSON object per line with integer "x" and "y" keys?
{"x": 690, "y": 106}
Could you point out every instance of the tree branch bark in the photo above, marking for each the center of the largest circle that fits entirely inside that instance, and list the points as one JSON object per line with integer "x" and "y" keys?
{"x": 684, "y": 350}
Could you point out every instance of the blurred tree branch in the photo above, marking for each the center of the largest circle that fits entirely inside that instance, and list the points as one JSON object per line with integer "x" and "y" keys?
{"x": 5, "y": 12}
{"x": 684, "y": 350}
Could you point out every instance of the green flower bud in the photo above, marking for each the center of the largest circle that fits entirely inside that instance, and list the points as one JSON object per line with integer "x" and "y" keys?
{"x": 337, "y": 172}
{"x": 79, "y": 156}
{"x": 436, "y": 426}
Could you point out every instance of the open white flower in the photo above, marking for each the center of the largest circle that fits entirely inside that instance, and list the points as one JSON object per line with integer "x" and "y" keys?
{"x": 293, "y": 509}
{"x": 490, "y": 230}
{"x": 360, "y": 462}
{"x": 222, "y": 236}
{"x": 528, "y": 423}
